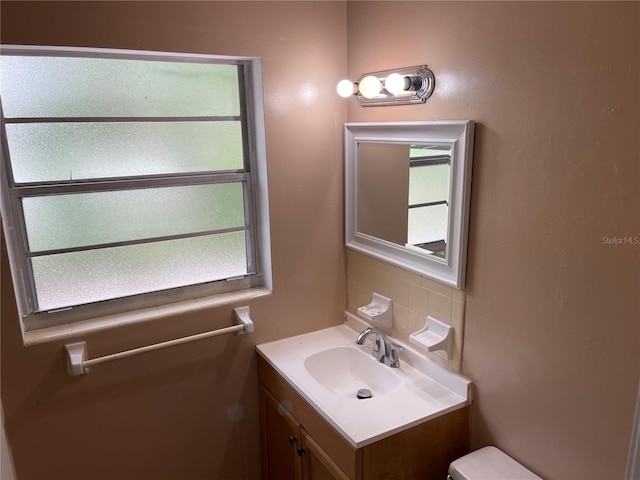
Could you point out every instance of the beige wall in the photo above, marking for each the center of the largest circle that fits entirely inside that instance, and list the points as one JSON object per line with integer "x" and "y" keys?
{"x": 552, "y": 313}
{"x": 165, "y": 415}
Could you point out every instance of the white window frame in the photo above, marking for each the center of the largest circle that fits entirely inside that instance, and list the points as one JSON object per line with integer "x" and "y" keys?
{"x": 150, "y": 305}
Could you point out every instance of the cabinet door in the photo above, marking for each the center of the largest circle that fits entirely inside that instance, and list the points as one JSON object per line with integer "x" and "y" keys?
{"x": 316, "y": 464}
{"x": 280, "y": 432}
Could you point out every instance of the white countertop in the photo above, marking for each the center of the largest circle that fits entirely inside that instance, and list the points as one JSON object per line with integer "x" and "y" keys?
{"x": 428, "y": 390}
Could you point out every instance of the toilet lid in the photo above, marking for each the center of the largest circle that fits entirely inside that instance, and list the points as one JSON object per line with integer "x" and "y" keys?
{"x": 489, "y": 463}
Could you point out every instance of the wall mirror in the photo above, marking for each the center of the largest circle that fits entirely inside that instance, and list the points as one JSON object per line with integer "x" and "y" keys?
{"x": 407, "y": 188}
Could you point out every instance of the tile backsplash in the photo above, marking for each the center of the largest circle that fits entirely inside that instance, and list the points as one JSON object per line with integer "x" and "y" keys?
{"x": 414, "y": 297}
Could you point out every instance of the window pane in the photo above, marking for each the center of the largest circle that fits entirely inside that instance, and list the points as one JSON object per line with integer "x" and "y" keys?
{"x": 429, "y": 183}
{"x": 65, "y": 221}
{"x": 95, "y": 87}
{"x": 428, "y": 224}
{"x": 75, "y": 151}
{"x": 94, "y": 275}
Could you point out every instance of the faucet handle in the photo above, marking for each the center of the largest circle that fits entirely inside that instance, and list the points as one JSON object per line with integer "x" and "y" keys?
{"x": 392, "y": 359}
{"x": 378, "y": 345}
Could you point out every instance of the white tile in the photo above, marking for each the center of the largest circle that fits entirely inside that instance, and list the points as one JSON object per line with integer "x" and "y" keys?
{"x": 440, "y": 307}
{"x": 400, "y": 292}
{"x": 418, "y": 300}
{"x": 406, "y": 275}
{"x": 459, "y": 295}
{"x": 437, "y": 287}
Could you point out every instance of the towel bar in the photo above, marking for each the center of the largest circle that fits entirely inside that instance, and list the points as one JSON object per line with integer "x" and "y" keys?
{"x": 77, "y": 363}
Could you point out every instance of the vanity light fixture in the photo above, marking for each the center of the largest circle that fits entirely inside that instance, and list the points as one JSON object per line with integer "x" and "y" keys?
{"x": 400, "y": 86}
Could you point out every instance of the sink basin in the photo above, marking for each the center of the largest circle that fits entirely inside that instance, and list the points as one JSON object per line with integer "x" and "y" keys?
{"x": 345, "y": 370}
{"x": 327, "y": 369}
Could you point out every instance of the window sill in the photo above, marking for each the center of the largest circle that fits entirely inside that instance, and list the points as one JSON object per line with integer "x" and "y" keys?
{"x": 76, "y": 329}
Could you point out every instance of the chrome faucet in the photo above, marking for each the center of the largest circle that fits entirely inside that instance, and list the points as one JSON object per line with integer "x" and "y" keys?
{"x": 385, "y": 351}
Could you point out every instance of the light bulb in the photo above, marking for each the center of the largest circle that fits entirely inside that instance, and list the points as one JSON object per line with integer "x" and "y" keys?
{"x": 370, "y": 86}
{"x": 345, "y": 88}
{"x": 396, "y": 83}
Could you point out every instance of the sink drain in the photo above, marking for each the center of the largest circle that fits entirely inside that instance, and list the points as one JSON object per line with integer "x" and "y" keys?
{"x": 364, "y": 393}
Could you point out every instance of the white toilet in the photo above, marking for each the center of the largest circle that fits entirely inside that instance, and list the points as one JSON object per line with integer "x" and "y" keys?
{"x": 489, "y": 463}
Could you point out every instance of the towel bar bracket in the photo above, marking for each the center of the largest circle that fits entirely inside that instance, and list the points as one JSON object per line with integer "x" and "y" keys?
{"x": 76, "y": 356}
{"x": 242, "y": 315}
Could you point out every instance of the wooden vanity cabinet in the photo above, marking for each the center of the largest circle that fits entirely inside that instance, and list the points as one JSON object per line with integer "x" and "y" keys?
{"x": 298, "y": 444}
{"x": 289, "y": 452}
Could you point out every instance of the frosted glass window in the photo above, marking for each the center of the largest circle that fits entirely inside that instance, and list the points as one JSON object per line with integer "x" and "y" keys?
{"x": 429, "y": 183}
{"x": 428, "y": 224}
{"x": 34, "y": 86}
{"x": 72, "y": 151}
{"x": 131, "y": 179}
{"x": 94, "y": 275}
{"x": 81, "y": 219}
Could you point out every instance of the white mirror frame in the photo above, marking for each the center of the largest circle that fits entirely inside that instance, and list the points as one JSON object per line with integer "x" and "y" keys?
{"x": 459, "y": 134}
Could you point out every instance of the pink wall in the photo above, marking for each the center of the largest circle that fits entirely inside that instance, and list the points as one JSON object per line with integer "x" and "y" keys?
{"x": 165, "y": 415}
{"x": 551, "y": 338}
{"x": 552, "y": 315}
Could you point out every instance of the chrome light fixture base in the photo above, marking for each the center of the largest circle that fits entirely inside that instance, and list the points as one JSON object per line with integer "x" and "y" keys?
{"x": 419, "y": 83}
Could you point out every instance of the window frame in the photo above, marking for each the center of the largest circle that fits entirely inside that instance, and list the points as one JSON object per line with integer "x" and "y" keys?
{"x": 253, "y": 178}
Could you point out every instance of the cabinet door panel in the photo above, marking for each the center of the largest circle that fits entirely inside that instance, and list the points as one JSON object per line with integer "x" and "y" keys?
{"x": 348, "y": 459}
{"x": 316, "y": 463}
{"x": 280, "y": 438}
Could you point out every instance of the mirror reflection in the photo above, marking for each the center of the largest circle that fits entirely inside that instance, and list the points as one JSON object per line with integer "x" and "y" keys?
{"x": 407, "y": 192}
{"x": 404, "y": 194}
